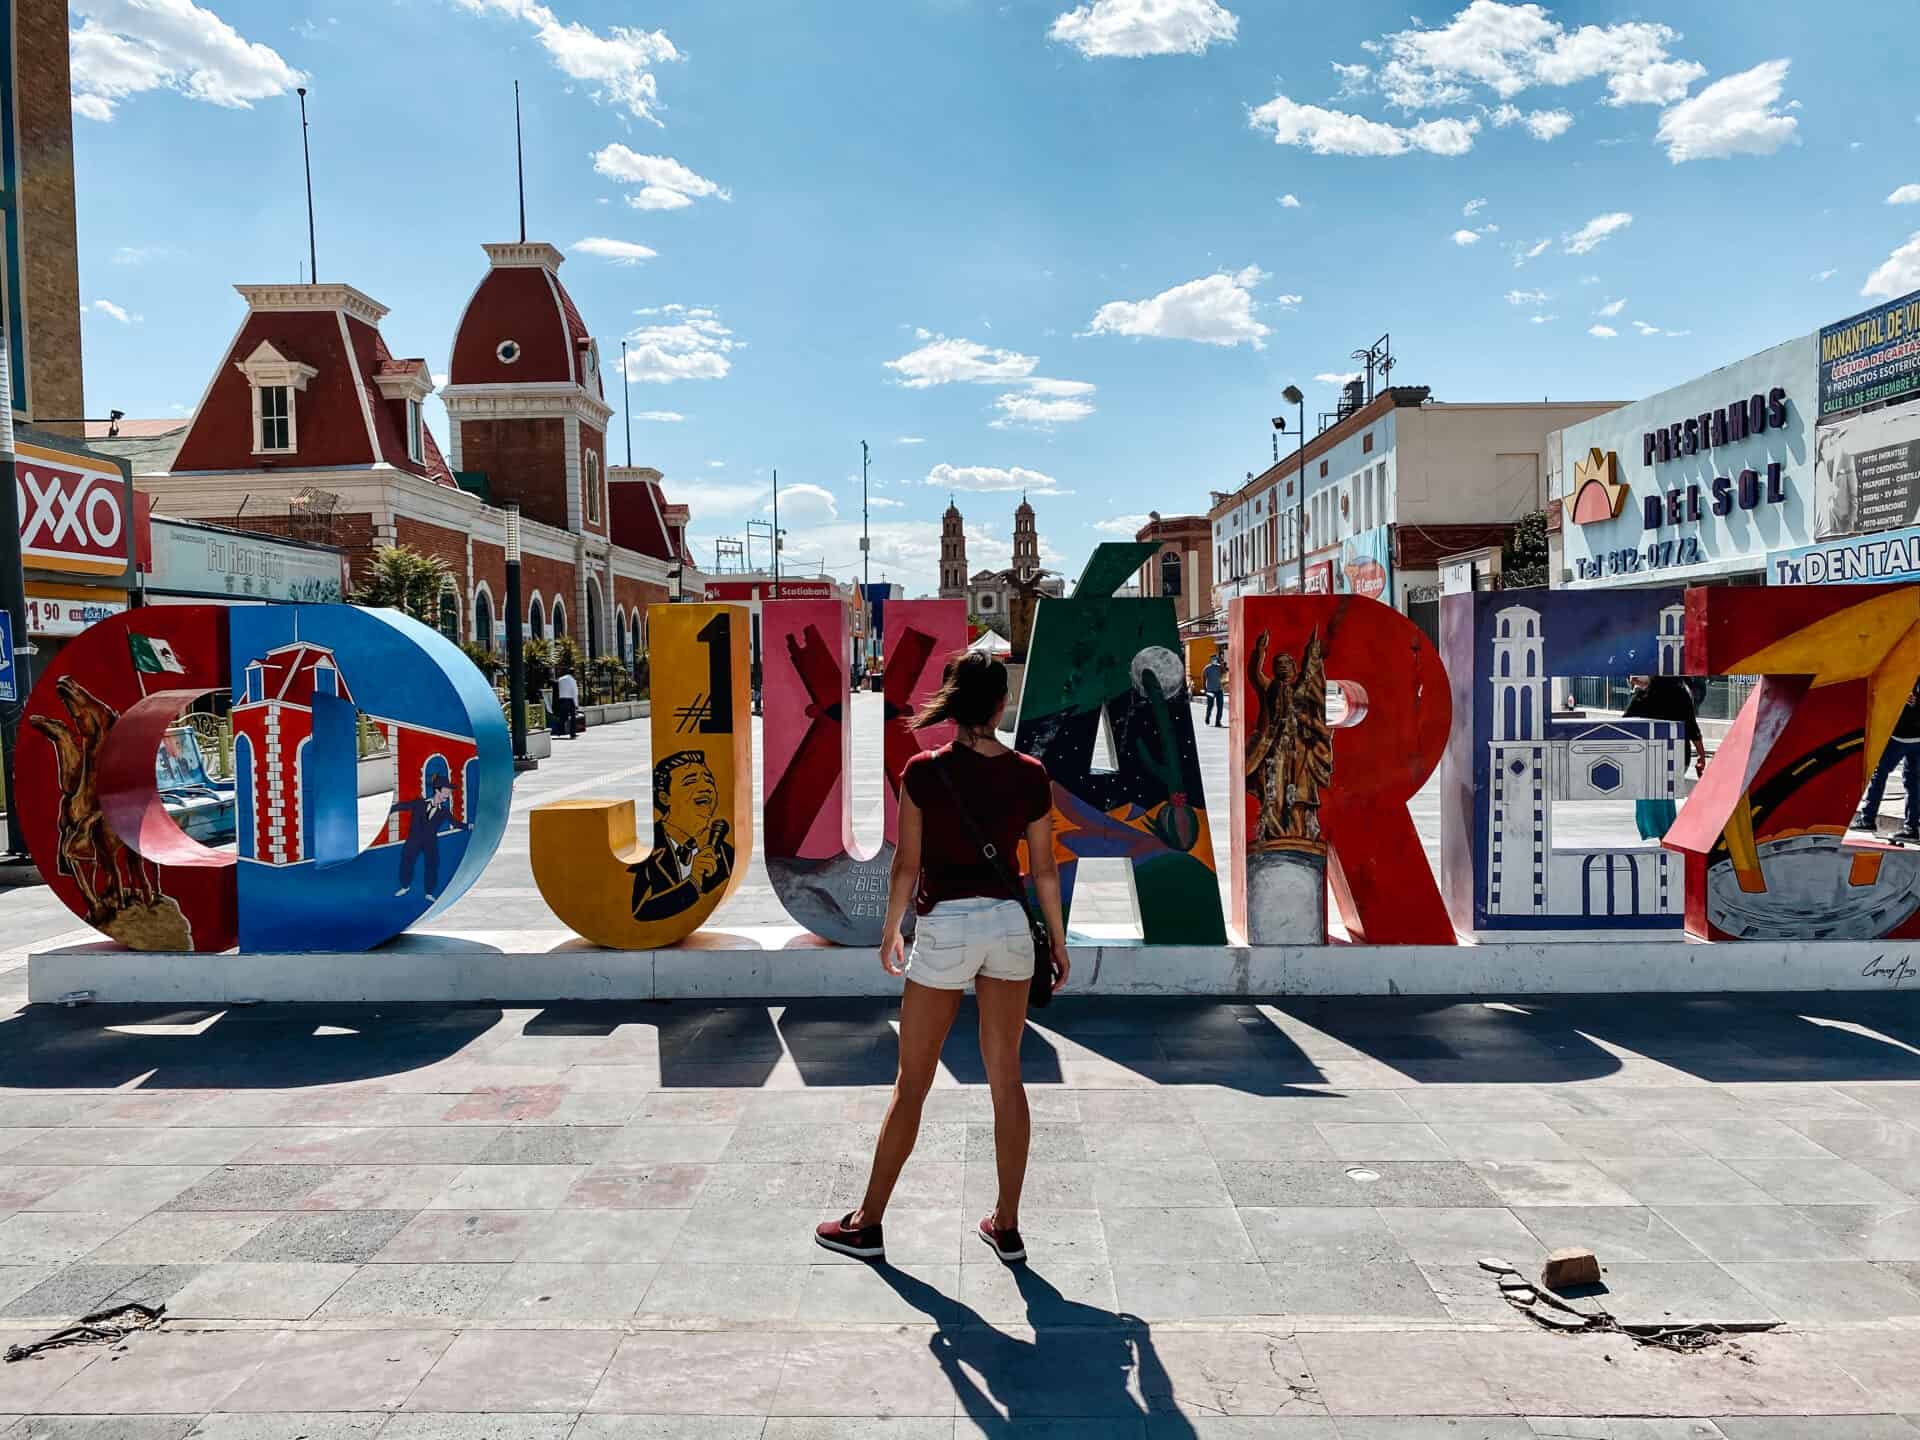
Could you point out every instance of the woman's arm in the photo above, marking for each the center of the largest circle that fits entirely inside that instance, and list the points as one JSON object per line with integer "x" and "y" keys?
{"x": 1046, "y": 885}
{"x": 902, "y": 880}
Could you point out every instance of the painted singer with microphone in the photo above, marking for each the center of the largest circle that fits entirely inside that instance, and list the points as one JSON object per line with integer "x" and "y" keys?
{"x": 691, "y": 853}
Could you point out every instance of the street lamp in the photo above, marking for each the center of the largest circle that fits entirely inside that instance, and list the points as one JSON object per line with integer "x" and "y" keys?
{"x": 1293, "y": 396}
{"x": 516, "y": 654}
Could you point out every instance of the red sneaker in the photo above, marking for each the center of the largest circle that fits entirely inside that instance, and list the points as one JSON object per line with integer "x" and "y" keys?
{"x": 865, "y": 1243}
{"x": 1006, "y": 1243}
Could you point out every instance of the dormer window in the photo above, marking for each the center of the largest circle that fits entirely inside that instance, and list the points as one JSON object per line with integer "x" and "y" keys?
{"x": 416, "y": 438}
{"x": 274, "y": 378}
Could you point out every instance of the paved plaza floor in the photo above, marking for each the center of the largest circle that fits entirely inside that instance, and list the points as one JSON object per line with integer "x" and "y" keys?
{"x": 1246, "y": 1220}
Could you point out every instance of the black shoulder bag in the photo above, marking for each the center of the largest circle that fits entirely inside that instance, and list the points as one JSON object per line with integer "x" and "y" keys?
{"x": 1040, "y": 989}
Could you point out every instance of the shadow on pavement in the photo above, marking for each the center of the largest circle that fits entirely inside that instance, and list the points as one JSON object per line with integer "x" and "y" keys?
{"x": 1292, "y": 1045}
{"x": 1081, "y": 1361}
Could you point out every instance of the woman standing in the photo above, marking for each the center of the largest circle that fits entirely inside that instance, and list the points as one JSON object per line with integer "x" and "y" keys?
{"x": 972, "y": 930}
{"x": 1664, "y": 697}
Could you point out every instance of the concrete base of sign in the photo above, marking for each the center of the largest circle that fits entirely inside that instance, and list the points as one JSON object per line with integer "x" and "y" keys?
{"x": 761, "y": 963}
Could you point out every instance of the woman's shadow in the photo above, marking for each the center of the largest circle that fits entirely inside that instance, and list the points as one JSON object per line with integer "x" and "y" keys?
{"x": 1081, "y": 1362}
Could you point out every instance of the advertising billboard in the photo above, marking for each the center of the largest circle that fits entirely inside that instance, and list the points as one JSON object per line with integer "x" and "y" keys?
{"x": 1366, "y": 565}
{"x": 1871, "y": 357}
{"x": 1867, "y": 472}
{"x": 75, "y": 513}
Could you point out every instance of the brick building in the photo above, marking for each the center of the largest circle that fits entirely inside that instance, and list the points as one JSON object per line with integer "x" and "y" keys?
{"x": 310, "y": 427}
{"x": 1182, "y": 568}
{"x": 40, "y": 276}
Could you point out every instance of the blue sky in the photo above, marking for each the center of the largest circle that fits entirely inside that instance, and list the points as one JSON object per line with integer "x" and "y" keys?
{"x": 1006, "y": 244}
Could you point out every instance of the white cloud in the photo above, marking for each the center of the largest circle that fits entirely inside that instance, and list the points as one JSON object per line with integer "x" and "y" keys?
{"x": 945, "y": 360}
{"x": 1038, "y": 410}
{"x": 911, "y": 440}
{"x": 1589, "y": 235}
{"x": 710, "y": 497}
{"x": 113, "y": 312}
{"x": 1611, "y": 308}
{"x": 1646, "y": 329}
{"x": 1466, "y": 237}
{"x": 1473, "y": 207}
{"x": 1121, "y": 524}
{"x": 128, "y": 47}
{"x": 664, "y": 417}
{"x": 1132, "y": 28}
{"x": 884, "y": 502}
{"x": 992, "y": 479}
{"x": 1290, "y": 201}
{"x": 806, "y": 504}
{"x": 680, "y": 342}
{"x": 1337, "y": 132}
{"x": 138, "y": 254}
{"x": 1213, "y": 310}
{"x": 1329, "y": 377}
{"x": 621, "y": 252}
{"x": 1523, "y": 253}
{"x": 665, "y": 184}
{"x": 1354, "y": 79}
{"x": 1905, "y": 195}
{"x": 1733, "y": 116}
{"x": 716, "y": 464}
{"x": 1542, "y": 319}
{"x": 619, "y": 64}
{"x": 1541, "y": 124}
{"x": 1527, "y": 297}
{"x": 1899, "y": 274}
{"x": 1602, "y": 332}
{"x": 1589, "y": 279}
{"x": 439, "y": 379}
{"x": 1511, "y": 48}
{"x": 1824, "y": 275}
{"x": 1042, "y": 385}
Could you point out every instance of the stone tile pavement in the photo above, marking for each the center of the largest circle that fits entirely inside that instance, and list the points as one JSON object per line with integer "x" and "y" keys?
{"x": 1246, "y": 1220}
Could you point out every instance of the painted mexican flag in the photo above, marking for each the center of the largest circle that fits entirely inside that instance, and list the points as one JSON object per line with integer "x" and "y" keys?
{"x": 154, "y": 657}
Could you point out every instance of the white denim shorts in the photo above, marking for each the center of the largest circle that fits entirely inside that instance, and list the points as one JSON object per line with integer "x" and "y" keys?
{"x": 960, "y": 939}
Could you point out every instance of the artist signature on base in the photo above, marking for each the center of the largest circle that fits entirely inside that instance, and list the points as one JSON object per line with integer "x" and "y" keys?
{"x": 1895, "y": 972}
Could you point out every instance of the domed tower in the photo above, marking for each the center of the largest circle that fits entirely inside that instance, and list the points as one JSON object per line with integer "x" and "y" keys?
{"x": 953, "y": 554}
{"x": 1026, "y": 541}
{"x": 524, "y": 403}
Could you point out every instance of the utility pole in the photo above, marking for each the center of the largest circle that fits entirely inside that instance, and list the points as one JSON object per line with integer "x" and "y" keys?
{"x": 516, "y": 653}
{"x": 626, "y": 402}
{"x": 866, "y": 565}
{"x": 313, "y": 259}
{"x": 519, "y": 162}
{"x": 13, "y": 600}
{"x": 776, "y": 532}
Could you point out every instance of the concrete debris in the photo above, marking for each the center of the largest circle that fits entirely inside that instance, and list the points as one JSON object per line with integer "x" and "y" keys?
{"x": 1566, "y": 1269}
{"x": 1497, "y": 1267}
{"x": 103, "y": 1325}
{"x": 1551, "y": 1312}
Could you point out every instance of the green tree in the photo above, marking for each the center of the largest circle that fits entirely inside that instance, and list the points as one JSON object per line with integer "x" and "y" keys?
{"x": 1524, "y": 560}
{"x": 490, "y": 663}
{"x": 538, "y": 655}
{"x": 402, "y": 578}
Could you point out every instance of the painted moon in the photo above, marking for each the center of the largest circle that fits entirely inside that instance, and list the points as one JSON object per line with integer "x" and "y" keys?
{"x": 1164, "y": 666}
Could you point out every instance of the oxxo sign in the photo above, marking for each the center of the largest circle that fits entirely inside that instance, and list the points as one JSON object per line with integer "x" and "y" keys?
{"x": 72, "y": 517}
{"x": 1728, "y": 425}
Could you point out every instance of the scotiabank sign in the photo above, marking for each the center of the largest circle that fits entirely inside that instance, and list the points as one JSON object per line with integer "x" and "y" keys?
{"x": 764, "y": 590}
{"x": 74, "y": 513}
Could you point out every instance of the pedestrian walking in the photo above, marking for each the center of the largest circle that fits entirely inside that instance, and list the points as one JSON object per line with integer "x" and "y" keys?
{"x": 971, "y": 931}
{"x": 1664, "y": 697}
{"x": 1903, "y": 749}
{"x": 1213, "y": 681}
{"x": 566, "y": 703}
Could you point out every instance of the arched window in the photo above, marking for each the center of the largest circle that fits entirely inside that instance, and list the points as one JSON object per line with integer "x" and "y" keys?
{"x": 592, "y": 637}
{"x": 449, "y": 613}
{"x": 483, "y": 619}
{"x": 1506, "y": 662}
{"x": 1170, "y": 572}
{"x": 1529, "y": 627}
{"x": 1506, "y": 627}
{"x": 1511, "y": 704}
{"x": 536, "y": 618}
{"x": 559, "y": 618}
{"x": 1531, "y": 659}
{"x": 620, "y": 633}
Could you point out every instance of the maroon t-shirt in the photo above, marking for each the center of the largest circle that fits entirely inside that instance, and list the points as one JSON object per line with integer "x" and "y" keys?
{"x": 1003, "y": 794}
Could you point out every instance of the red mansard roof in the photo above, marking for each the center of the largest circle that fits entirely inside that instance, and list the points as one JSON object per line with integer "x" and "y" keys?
{"x": 521, "y": 301}
{"x": 341, "y": 418}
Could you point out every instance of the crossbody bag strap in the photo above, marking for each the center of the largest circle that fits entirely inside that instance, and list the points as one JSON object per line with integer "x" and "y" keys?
{"x": 989, "y": 852}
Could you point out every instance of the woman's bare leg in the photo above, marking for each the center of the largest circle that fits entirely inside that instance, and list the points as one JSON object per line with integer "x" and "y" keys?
{"x": 1003, "y": 1020}
{"x": 926, "y": 1015}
